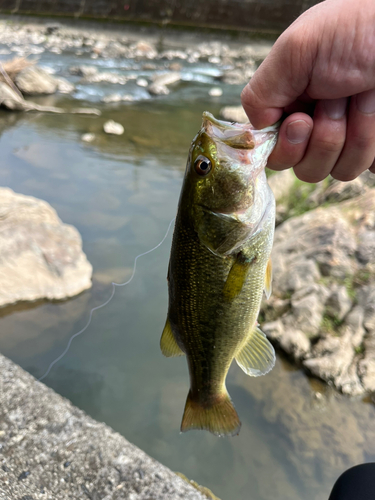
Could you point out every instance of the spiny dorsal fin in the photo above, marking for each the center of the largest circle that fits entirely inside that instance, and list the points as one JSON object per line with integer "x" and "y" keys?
{"x": 268, "y": 281}
{"x": 257, "y": 357}
{"x": 168, "y": 344}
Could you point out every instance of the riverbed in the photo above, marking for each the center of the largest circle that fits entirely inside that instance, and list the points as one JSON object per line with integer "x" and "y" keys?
{"x": 121, "y": 193}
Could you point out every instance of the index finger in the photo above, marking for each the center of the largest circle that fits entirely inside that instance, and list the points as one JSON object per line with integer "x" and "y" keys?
{"x": 281, "y": 78}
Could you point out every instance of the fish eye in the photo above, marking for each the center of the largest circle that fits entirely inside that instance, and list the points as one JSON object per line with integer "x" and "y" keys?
{"x": 202, "y": 165}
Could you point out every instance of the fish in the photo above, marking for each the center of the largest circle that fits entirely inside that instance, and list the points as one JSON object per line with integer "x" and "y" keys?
{"x": 219, "y": 266}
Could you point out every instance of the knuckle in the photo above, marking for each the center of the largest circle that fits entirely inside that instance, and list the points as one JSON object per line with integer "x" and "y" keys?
{"x": 328, "y": 146}
{"x": 361, "y": 142}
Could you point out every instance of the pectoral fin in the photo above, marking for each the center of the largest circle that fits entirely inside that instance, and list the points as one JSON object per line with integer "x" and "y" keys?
{"x": 236, "y": 278}
{"x": 257, "y": 357}
{"x": 268, "y": 282}
{"x": 168, "y": 344}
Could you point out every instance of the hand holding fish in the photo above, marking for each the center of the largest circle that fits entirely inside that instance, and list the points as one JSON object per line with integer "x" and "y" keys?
{"x": 323, "y": 65}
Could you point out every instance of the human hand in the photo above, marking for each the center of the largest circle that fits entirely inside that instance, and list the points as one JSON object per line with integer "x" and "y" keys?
{"x": 323, "y": 65}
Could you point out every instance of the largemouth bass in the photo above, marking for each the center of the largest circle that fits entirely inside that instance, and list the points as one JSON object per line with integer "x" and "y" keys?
{"x": 219, "y": 267}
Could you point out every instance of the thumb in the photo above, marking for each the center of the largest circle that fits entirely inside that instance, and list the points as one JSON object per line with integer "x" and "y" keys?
{"x": 279, "y": 81}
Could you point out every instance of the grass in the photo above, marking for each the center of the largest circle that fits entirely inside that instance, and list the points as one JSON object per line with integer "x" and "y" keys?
{"x": 360, "y": 349}
{"x": 331, "y": 324}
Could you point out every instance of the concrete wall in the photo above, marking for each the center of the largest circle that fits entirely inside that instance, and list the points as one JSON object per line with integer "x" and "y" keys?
{"x": 51, "y": 450}
{"x": 257, "y": 15}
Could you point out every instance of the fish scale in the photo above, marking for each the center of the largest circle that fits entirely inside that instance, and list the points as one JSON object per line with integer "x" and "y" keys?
{"x": 219, "y": 266}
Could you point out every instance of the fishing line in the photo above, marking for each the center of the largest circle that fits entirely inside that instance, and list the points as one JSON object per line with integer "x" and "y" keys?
{"x": 104, "y": 303}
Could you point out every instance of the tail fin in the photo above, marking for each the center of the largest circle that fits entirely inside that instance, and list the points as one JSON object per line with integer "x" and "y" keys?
{"x": 219, "y": 417}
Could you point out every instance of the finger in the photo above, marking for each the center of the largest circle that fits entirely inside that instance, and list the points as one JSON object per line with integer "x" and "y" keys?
{"x": 292, "y": 142}
{"x": 359, "y": 150}
{"x": 280, "y": 79}
{"x": 326, "y": 141}
{"x": 372, "y": 168}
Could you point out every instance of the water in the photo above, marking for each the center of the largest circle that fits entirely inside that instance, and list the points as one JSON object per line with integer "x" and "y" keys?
{"x": 297, "y": 435}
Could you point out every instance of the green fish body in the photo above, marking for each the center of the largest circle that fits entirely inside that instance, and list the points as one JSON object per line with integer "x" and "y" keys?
{"x": 219, "y": 267}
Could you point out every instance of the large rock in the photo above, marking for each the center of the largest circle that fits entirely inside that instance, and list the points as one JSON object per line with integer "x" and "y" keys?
{"x": 36, "y": 81}
{"x": 40, "y": 257}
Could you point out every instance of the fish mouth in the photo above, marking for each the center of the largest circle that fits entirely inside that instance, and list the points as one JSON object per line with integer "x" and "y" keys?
{"x": 237, "y": 135}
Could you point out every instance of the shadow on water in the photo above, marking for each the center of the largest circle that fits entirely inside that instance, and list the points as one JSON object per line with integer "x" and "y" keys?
{"x": 20, "y": 307}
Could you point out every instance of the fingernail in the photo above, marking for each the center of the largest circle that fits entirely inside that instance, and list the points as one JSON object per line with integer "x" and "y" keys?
{"x": 366, "y": 102}
{"x": 297, "y": 131}
{"x": 335, "y": 108}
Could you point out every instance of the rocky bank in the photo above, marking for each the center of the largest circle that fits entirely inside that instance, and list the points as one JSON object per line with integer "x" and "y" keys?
{"x": 322, "y": 311}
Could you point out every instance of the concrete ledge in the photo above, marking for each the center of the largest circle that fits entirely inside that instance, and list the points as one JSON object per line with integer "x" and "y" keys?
{"x": 50, "y": 449}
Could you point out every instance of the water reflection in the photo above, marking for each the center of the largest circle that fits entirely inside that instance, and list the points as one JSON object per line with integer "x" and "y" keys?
{"x": 121, "y": 192}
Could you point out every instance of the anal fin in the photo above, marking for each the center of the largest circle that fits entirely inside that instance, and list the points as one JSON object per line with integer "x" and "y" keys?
{"x": 268, "y": 280}
{"x": 168, "y": 344}
{"x": 257, "y": 357}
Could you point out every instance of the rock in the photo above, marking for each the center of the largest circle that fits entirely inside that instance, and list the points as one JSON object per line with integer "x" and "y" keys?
{"x": 368, "y": 178}
{"x": 340, "y": 191}
{"x": 117, "y": 98}
{"x": 10, "y": 99}
{"x": 175, "y": 66}
{"x": 234, "y": 114}
{"x": 290, "y": 339}
{"x": 332, "y": 359}
{"x": 338, "y": 303}
{"x": 298, "y": 274}
{"x": 40, "y": 256}
{"x": 167, "y": 78}
{"x": 308, "y": 313}
{"x": 215, "y": 92}
{"x": 174, "y": 54}
{"x": 141, "y": 82}
{"x": 323, "y": 235}
{"x": 112, "y": 98}
{"x": 236, "y": 76}
{"x": 155, "y": 89}
{"x": 366, "y": 247}
{"x": 144, "y": 49}
{"x": 366, "y": 299}
{"x": 214, "y": 60}
{"x": 107, "y": 77}
{"x": 52, "y": 28}
{"x": 367, "y": 364}
{"x": 281, "y": 184}
{"x": 111, "y": 127}
{"x": 84, "y": 71}
{"x": 35, "y": 81}
{"x": 64, "y": 86}
{"x": 88, "y": 137}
